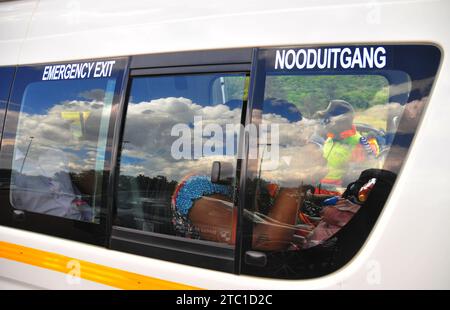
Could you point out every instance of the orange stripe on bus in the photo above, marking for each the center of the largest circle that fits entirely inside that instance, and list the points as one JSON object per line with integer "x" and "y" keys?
{"x": 89, "y": 271}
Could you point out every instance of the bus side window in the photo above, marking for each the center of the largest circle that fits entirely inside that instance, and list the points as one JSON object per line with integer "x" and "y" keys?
{"x": 336, "y": 165}
{"x": 174, "y": 131}
{"x": 55, "y": 142}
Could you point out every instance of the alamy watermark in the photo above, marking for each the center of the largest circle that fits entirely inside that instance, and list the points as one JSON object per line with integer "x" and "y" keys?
{"x": 73, "y": 276}
{"x": 212, "y": 139}
{"x": 373, "y": 276}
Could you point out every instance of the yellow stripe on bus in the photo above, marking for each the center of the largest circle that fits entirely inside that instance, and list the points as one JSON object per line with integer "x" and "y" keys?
{"x": 87, "y": 270}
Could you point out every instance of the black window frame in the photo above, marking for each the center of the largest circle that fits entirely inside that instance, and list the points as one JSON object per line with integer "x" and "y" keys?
{"x": 206, "y": 254}
{"x": 91, "y": 233}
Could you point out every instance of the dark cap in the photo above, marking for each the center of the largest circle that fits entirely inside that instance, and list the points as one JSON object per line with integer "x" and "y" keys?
{"x": 335, "y": 108}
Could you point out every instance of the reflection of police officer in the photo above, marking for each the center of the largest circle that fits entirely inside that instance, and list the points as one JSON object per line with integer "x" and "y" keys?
{"x": 343, "y": 145}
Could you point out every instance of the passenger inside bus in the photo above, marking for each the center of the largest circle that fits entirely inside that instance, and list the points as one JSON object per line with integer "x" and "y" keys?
{"x": 39, "y": 187}
{"x": 41, "y": 179}
{"x": 313, "y": 213}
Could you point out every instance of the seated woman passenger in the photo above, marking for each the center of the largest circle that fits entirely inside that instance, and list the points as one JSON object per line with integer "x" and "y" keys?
{"x": 203, "y": 209}
{"x": 44, "y": 186}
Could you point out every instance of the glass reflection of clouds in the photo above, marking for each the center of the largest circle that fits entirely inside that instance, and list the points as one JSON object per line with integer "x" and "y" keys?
{"x": 60, "y": 139}
{"x": 151, "y": 149}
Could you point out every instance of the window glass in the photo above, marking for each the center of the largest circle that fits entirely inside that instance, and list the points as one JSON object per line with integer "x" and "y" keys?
{"x": 176, "y": 127}
{"x": 335, "y": 142}
{"x": 59, "y": 146}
